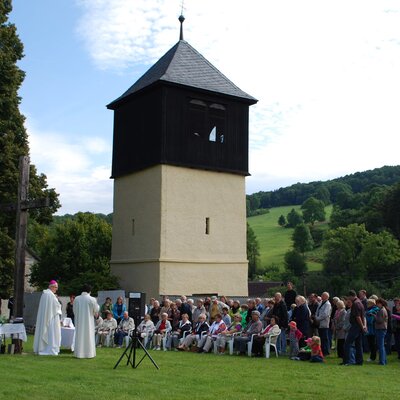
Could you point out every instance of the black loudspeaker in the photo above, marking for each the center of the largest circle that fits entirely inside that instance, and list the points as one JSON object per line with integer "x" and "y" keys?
{"x": 136, "y": 306}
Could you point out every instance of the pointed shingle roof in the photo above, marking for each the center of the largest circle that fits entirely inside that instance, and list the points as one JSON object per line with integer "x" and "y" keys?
{"x": 183, "y": 65}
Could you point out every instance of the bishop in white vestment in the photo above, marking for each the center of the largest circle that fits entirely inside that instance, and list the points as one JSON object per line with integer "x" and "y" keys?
{"x": 47, "y": 339}
{"x": 85, "y": 308}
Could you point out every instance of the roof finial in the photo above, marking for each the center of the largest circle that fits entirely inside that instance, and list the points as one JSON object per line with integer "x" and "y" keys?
{"x": 181, "y": 19}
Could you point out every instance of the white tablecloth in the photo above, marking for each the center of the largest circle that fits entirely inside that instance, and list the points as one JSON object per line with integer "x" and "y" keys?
{"x": 14, "y": 329}
{"x": 67, "y": 337}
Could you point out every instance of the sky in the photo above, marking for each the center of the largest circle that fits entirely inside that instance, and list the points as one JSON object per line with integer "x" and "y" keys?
{"x": 325, "y": 72}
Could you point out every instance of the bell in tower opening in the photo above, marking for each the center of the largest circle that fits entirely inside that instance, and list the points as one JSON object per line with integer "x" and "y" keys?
{"x": 180, "y": 158}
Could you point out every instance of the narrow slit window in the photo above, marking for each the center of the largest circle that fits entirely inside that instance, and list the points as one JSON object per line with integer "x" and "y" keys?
{"x": 133, "y": 227}
{"x": 213, "y": 134}
{"x": 207, "y": 226}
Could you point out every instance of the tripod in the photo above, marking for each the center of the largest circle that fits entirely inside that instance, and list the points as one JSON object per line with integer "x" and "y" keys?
{"x": 135, "y": 342}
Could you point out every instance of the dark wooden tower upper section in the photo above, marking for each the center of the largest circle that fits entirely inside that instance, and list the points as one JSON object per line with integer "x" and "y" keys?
{"x": 182, "y": 112}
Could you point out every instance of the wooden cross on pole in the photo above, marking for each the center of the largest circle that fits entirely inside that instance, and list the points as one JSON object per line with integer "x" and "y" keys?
{"x": 22, "y": 207}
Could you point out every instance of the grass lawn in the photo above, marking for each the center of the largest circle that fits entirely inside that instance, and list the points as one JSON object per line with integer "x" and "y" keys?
{"x": 275, "y": 241}
{"x": 190, "y": 376}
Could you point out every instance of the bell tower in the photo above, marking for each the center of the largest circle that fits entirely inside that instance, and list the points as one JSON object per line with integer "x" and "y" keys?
{"x": 180, "y": 158}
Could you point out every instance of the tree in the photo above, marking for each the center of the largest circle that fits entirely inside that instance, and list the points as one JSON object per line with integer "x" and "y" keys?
{"x": 253, "y": 252}
{"x": 7, "y": 252}
{"x": 13, "y": 136}
{"x": 343, "y": 247}
{"x": 381, "y": 256}
{"x": 313, "y": 210}
{"x": 282, "y": 220}
{"x": 391, "y": 210}
{"x": 293, "y": 219}
{"x": 322, "y": 193}
{"x": 295, "y": 263}
{"x": 77, "y": 252}
{"x": 302, "y": 239}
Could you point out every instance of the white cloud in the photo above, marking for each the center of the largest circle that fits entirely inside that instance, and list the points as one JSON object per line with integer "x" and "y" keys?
{"x": 325, "y": 73}
{"x": 70, "y": 166}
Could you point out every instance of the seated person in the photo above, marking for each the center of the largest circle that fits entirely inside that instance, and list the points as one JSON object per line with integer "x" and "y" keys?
{"x": 259, "y": 340}
{"x": 106, "y": 328}
{"x": 125, "y": 328}
{"x": 217, "y": 327}
{"x": 97, "y": 322}
{"x": 223, "y": 337}
{"x": 184, "y": 326}
{"x": 146, "y": 328}
{"x": 200, "y": 326}
{"x": 162, "y": 328}
{"x": 254, "y": 327}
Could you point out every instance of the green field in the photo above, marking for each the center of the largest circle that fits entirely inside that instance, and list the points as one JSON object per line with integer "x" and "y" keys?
{"x": 275, "y": 241}
{"x": 190, "y": 376}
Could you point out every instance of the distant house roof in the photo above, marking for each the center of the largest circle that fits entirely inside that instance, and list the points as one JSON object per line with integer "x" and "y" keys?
{"x": 260, "y": 289}
{"x": 183, "y": 65}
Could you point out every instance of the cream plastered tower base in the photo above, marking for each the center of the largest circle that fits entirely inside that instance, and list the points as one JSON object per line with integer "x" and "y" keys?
{"x": 179, "y": 230}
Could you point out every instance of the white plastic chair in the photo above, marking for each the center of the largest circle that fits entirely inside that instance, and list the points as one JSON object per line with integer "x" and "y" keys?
{"x": 250, "y": 344}
{"x": 231, "y": 342}
{"x": 270, "y": 341}
{"x": 109, "y": 341}
{"x": 164, "y": 340}
{"x": 109, "y": 338}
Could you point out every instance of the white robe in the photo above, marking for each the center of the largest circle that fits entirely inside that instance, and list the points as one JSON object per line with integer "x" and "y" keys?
{"x": 47, "y": 339}
{"x": 85, "y": 307}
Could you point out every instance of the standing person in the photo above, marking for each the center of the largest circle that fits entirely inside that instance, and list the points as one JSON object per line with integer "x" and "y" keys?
{"x": 381, "y": 325}
{"x": 70, "y": 308}
{"x": 370, "y": 316}
{"x": 290, "y": 295}
{"x": 339, "y": 326}
{"x": 200, "y": 309}
{"x": 155, "y": 312}
{"x": 106, "y": 306}
{"x": 322, "y": 317}
{"x": 85, "y": 309}
{"x": 47, "y": 339}
{"x": 396, "y": 325}
{"x": 10, "y": 306}
{"x": 312, "y": 306}
{"x": 356, "y": 332}
{"x": 279, "y": 311}
{"x": 294, "y": 336}
{"x": 301, "y": 315}
{"x": 118, "y": 309}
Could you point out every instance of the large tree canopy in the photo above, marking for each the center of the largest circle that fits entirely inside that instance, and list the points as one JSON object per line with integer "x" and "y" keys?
{"x": 14, "y": 141}
{"x": 302, "y": 239}
{"x": 313, "y": 210}
{"x": 75, "y": 253}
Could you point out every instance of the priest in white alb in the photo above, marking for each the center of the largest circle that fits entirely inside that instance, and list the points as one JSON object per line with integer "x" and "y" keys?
{"x": 47, "y": 339}
{"x": 85, "y": 309}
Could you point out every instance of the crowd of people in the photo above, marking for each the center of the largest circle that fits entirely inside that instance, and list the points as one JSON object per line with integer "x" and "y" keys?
{"x": 303, "y": 329}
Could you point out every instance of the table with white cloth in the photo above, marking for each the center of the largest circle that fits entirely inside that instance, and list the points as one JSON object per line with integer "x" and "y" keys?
{"x": 67, "y": 337}
{"x": 16, "y": 331}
